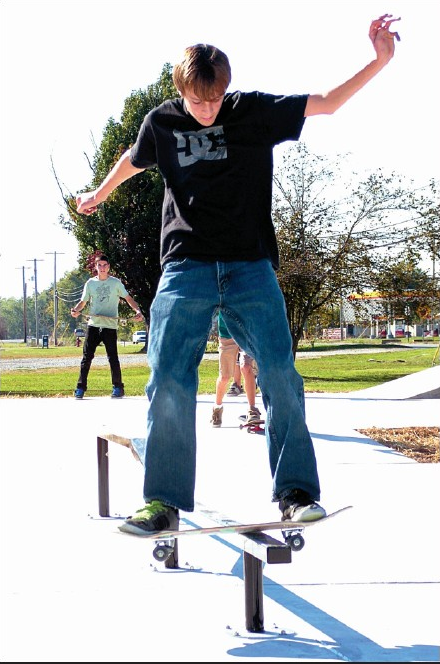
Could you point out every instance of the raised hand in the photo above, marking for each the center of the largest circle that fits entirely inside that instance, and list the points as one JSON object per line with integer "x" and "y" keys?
{"x": 381, "y": 36}
{"x": 86, "y": 203}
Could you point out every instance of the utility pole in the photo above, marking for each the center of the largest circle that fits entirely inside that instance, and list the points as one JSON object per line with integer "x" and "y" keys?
{"x": 37, "y": 331}
{"x": 341, "y": 316}
{"x": 23, "y": 268}
{"x": 433, "y": 285}
{"x": 55, "y": 295}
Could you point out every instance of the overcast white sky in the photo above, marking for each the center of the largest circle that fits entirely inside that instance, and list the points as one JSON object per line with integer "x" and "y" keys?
{"x": 67, "y": 66}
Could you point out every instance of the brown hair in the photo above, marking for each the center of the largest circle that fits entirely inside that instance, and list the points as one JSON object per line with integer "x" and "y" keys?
{"x": 101, "y": 257}
{"x": 205, "y": 70}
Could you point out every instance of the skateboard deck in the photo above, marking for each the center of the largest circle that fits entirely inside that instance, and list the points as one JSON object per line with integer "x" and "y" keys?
{"x": 292, "y": 532}
{"x": 122, "y": 321}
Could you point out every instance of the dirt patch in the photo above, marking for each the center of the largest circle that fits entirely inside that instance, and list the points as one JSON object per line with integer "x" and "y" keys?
{"x": 419, "y": 443}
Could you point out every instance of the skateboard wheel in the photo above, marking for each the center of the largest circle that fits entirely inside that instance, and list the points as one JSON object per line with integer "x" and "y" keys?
{"x": 162, "y": 552}
{"x": 296, "y": 542}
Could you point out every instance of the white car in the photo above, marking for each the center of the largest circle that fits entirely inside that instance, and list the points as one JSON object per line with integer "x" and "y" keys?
{"x": 139, "y": 337}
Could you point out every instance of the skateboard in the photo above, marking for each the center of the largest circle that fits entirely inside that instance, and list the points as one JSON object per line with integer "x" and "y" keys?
{"x": 122, "y": 321}
{"x": 292, "y": 531}
{"x": 252, "y": 427}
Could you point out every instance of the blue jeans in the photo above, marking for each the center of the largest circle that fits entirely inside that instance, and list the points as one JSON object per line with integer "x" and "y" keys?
{"x": 189, "y": 294}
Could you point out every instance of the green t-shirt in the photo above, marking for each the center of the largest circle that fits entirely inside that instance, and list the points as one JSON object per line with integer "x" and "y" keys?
{"x": 103, "y": 298}
{"x": 222, "y": 329}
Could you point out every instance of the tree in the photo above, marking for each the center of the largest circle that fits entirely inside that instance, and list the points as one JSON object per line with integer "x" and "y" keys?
{"x": 69, "y": 291}
{"x": 426, "y": 232}
{"x": 407, "y": 292}
{"x": 11, "y": 318}
{"x": 331, "y": 247}
{"x": 127, "y": 226}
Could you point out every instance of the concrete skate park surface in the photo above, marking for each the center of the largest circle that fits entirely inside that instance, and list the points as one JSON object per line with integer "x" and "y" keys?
{"x": 364, "y": 588}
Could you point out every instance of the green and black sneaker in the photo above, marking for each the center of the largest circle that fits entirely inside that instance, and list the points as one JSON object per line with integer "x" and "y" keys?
{"x": 151, "y": 518}
{"x": 299, "y": 506}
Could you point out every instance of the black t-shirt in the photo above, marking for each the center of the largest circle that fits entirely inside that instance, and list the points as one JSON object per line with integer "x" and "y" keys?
{"x": 218, "y": 179}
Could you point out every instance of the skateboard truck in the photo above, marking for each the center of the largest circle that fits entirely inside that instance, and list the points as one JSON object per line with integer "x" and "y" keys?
{"x": 294, "y": 538}
{"x": 164, "y": 549}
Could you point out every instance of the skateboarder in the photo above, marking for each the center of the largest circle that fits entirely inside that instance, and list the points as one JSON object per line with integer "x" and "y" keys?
{"x": 214, "y": 150}
{"x": 236, "y": 388}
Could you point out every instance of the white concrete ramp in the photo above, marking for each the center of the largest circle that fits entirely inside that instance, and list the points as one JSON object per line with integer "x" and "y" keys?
{"x": 421, "y": 385}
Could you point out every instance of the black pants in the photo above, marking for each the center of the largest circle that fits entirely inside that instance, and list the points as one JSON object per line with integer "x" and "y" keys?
{"x": 94, "y": 336}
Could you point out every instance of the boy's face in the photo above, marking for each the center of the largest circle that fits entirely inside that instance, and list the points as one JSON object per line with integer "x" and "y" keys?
{"x": 204, "y": 111}
{"x": 102, "y": 268}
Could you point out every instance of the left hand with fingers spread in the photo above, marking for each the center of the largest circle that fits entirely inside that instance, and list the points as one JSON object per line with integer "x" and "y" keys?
{"x": 382, "y": 38}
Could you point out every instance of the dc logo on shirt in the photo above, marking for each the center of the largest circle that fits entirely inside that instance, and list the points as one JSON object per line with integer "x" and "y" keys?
{"x": 204, "y": 145}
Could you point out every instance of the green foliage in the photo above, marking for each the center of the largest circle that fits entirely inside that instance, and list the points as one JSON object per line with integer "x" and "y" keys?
{"x": 127, "y": 226}
{"x": 11, "y": 318}
{"x": 69, "y": 290}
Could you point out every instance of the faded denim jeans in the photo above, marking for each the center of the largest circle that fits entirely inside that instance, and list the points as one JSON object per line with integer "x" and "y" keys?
{"x": 248, "y": 294}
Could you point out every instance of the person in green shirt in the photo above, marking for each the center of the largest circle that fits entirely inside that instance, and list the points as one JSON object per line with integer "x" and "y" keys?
{"x": 102, "y": 293}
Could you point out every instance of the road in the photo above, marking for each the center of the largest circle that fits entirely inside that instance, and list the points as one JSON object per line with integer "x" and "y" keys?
{"x": 141, "y": 358}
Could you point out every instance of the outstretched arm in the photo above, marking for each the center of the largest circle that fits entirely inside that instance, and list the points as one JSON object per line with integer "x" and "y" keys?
{"x": 383, "y": 42}
{"x": 134, "y": 305}
{"x": 87, "y": 202}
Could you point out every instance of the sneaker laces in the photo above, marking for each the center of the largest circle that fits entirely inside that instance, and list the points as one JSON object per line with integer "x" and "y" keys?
{"x": 254, "y": 414}
{"x": 151, "y": 509}
{"x": 296, "y": 498}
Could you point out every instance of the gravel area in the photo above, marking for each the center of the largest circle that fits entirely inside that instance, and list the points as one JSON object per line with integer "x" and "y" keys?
{"x": 46, "y": 362}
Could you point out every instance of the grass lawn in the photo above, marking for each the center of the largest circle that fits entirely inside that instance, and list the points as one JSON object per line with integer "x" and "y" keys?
{"x": 322, "y": 373}
{"x": 351, "y": 372}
